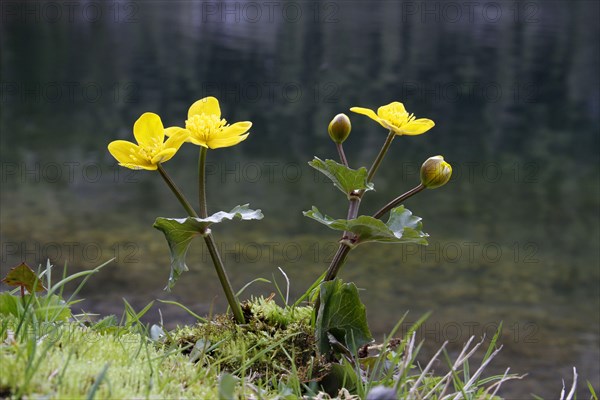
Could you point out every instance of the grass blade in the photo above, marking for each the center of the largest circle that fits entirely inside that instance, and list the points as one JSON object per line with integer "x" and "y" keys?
{"x": 97, "y": 382}
{"x": 193, "y": 314}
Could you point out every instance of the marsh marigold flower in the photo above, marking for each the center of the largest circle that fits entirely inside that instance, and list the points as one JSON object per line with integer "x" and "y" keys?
{"x": 151, "y": 149}
{"x": 435, "y": 172}
{"x": 207, "y": 129}
{"x": 395, "y": 118}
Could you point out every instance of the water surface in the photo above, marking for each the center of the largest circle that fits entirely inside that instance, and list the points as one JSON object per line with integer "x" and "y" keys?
{"x": 512, "y": 88}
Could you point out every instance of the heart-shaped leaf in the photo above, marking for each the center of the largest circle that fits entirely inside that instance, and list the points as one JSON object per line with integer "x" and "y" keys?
{"x": 402, "y": 227}
{"x": 179, "y": 233}
{"x": 342, "y": 315}
{"x": 22, "y": 275}
{"x": 344, "y": 178}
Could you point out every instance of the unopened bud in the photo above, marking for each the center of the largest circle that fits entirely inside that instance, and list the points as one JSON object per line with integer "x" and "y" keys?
{"x": 339, "y": 128}
{"x": 435, "y": 172}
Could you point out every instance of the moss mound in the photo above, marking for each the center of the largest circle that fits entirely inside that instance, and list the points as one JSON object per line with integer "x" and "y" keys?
{"x": 274, "y": 343}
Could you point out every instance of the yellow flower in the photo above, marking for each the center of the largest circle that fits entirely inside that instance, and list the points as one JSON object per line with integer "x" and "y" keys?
{"x": 151, "y": 149}
{"x": 207, "y": 129}
{"x": 395, "y": 118}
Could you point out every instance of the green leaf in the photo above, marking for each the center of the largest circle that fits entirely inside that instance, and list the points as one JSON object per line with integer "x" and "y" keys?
{"x": 22, "y": 275}
{"x": 340, "y": 376}
{"x": 402, "y": 227}
{"x": 9, "y": 305}
{"x": 344, "y": 178}
{"x": 179, "y": 233}
{"x": 53, "y": 308}
{"x": 105, "y": 324}
{"x": 47, "y": 308}
{"x": 227, "y": 384}
{"x": 341, "y": 314}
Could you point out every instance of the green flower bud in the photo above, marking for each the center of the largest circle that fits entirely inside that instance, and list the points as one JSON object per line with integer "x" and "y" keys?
{"x": 435, "y": 172}
{"x": 339, "y": 128}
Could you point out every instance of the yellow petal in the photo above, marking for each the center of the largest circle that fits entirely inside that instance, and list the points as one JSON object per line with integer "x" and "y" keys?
{"x": 227, "y": 142}
{"x": 365, "y": 111}
{"x": 170, "y": 131}
{"x": 148, "y": 167}
{"x": 234, "y": 130}
{"x": 208, "y": 105}
{"x": 388, "y": 125}
{"x": 197, "y": 141}
{"x": 176, "y": 137}
{"x": 148, "y": 130}
{"x": 129, "y": 155}
{"x": 371, "y": 114}
{"x": 164, "y": 155}
{"x": 394, "y": 107}
{"x": 417, "y": 127}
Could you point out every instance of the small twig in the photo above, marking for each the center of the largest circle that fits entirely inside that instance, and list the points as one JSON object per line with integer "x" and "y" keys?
{"x": 427, "y": 368}
{"x": 287, "y": 289}
{"x": 574, "y": 386}
{"x": 478, "y": 372}
{"x": 459, "y": 361}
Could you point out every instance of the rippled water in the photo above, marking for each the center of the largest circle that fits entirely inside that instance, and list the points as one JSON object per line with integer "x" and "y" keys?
{"x": 512, "y": 87}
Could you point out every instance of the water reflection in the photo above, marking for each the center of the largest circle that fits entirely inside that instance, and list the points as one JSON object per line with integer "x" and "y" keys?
{"x": 514, "y": 96}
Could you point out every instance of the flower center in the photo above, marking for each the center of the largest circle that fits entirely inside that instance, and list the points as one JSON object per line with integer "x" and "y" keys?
{"x": 202, "y": 126}
{"x": 150, "y": 151}
{"x": 397, "y": 118}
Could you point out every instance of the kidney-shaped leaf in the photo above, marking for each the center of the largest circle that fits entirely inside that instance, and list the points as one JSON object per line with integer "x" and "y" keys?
{"x": 179, "y": 233}
{"x": 402, "y": 226}
{"x": 342, "y": 315}
{"x": 22, "y": 275}
{"x": 344, "y": 178}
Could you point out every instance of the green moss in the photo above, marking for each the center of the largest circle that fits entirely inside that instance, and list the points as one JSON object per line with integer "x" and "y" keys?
{"x": 66, "y": 361}
{"x": 273, "y": 342}
{"x": 272, "y": 356}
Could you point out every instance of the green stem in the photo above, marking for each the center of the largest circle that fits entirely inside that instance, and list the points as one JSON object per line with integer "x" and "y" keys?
{"x": 379, "y": 158}
{"x": 340, "y": 150}
{"x": 337, "y": 262}
{"x": 208, "y": 238}
{"x": 353, "y": 206}
{"x": 202, "y": 182}
{"x": 340, "y": 256}
{"x": 220, "y": 268}
{"x": 186, "y": 205}
{"x": 352, "y": 212}
{"x": 355, "y": 198}
{"x": 210, "y": 243}
{"x": 398, "y": 200}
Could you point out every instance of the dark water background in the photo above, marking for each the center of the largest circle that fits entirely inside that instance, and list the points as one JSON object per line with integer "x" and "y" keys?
{"x": 512, "y": 87}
